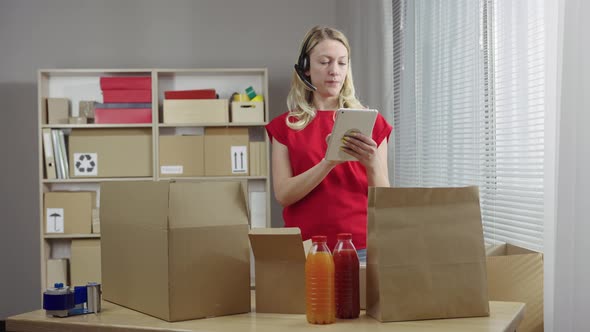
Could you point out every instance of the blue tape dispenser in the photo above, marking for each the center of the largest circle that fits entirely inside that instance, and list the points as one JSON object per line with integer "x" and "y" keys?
{"x": 63, "y": 301}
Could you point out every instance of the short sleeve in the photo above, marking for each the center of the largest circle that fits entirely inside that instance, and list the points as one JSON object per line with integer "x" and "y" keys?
{"x": 277, "y": 129}
{"x": 382, "y": 130}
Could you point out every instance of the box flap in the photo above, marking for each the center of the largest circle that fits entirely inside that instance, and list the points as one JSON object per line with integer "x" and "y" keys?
{"x": 199, "y": 204}
{"x": 496, "y": 250}
{"x": 141, "y": 203}
{"x": 518, "y": 278}
{"x": 280, "y": 260}
{"x": 505, "y": 249}
{"x": 277, "y": 244}
{"x": 516, "y": 250}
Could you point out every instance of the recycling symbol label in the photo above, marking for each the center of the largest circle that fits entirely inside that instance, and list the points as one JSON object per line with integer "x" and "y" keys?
{"x": 85, "y": 164}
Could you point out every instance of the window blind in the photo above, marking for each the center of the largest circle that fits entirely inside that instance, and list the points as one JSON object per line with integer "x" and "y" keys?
{"x": 469, "y": 108}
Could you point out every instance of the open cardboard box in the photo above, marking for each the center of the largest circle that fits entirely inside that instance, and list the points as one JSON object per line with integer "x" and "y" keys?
{"x": 516, "y": 274}
{"x": 170, "y": 250}
{"x": 279, "y": 255}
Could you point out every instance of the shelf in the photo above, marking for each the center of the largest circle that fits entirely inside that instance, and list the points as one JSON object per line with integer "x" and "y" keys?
{"x": 93, "y": 125}
{"x": 84, "y": 85}
{"x": 214, "y": 178}
{"x": 227, "y": 124}
{"x": 77, "y": 72}
{"x": 87, "y": 180}
{"x": 71, "y": 236}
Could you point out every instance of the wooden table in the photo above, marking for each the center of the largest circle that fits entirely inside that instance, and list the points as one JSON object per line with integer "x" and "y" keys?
{"x": 504, "y": 316}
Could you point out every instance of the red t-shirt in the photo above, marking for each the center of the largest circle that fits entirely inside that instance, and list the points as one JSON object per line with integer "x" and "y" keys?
{"x": 339, "y": 203}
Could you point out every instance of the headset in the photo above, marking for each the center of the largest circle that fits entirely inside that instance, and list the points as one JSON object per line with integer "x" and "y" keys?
{"x": 303, "y": 64}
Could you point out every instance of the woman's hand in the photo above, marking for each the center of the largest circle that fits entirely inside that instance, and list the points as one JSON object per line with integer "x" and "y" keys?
{"x": 361, "y": 147}
{"x": 373, "y": 157}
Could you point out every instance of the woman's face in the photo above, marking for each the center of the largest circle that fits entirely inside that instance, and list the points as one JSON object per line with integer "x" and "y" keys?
{"x": 328, "y": 67}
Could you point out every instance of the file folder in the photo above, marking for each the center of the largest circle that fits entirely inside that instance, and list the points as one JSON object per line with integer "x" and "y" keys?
{"x": 48, "y": 154}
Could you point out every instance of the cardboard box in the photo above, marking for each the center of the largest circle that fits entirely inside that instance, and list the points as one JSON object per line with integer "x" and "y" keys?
{"x": 176, "y": 250}
{"x": 58, "y": 110}
{"x": 226, "y": 151}
{"x": 85, "y": 262}
{"x": 181, "y": 156}
{"x": 69, "y": 212}
{"x": 257, "y": 157}
{"x": 516, "y": 274}
{"x": 247, "y": 112}
{"x": 110, "y": 153}
{"x": 57, "y": 271}
{"x": 363, "y": 285}
{"x": 279, "y": 258}
{"x": 179, "y": 111}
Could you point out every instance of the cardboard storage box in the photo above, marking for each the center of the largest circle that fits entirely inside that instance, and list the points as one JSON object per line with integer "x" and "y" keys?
{"x": 181, "y": 156}
{"x": 85, "y": 262}
{"x": 58, "y": 110}
{"x": 68, "y": 212}
{"x": 247, "y": 112}
{"x": 176, "y": 250}
{"x": 110, "y": 152}
{"x": 516, "y": 274}
{"x": 179, "y": 111}
{"x": 279, "y": 258}
{"x": 226, "y": 151}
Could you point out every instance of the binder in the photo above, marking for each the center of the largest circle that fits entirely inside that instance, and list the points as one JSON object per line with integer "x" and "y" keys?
{"x": 57, "y": 153}
{"x": 48, "y": 154}
{"x": 63, "y": 155}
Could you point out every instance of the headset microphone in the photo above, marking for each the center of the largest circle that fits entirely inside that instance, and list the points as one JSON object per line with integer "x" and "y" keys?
{"x": 304, "y": 78}
{"x": 303, "y": 65}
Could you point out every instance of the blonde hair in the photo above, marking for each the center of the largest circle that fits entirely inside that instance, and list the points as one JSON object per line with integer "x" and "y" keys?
{"x": 300, "y": 98}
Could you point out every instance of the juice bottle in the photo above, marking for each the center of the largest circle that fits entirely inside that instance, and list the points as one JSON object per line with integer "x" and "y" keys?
{"x": 346, "y": 263}
{"x": 319, "y": 283}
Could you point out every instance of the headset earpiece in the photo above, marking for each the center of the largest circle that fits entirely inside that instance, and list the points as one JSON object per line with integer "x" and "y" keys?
{"x": 303, "y": 65}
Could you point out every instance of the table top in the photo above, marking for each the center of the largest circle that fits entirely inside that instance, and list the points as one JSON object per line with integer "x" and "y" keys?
{"x": 504, "y": 316}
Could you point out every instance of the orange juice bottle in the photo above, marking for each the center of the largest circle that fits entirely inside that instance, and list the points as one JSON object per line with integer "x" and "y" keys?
{"x": 319, "y": 283}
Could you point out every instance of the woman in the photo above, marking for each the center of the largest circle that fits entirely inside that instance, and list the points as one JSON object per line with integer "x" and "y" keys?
{"x": 325, "y": 197}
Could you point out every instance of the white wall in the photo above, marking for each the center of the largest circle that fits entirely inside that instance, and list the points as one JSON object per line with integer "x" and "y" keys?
{"x": 120, "y": 34}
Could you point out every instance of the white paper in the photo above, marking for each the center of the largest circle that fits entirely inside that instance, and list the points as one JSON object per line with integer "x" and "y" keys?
{"x": 257, "y": 209}
{"x": 55, "y": 220}
{"x": 85, "y": 164}
{"x": 172, "y": 169}
{"x": 239, "y": 159}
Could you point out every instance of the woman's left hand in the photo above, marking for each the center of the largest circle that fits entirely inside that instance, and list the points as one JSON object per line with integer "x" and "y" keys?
{"x": 361, "y": 147}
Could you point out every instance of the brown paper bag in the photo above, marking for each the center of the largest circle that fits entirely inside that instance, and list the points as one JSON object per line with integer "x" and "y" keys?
{"x": 425, "y": 254}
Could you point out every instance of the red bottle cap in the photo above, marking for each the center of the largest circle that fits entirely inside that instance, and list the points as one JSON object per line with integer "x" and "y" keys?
{"x": 344, "y": 236}
{"x": 319, "y": 238}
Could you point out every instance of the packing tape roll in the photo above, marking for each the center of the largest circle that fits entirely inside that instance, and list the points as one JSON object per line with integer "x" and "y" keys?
{"x": 241, "y": 97}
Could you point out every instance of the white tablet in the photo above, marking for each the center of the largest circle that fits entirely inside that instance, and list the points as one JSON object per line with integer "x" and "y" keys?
{"x": 349, "y": 120}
